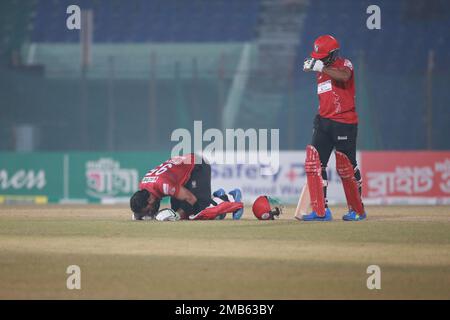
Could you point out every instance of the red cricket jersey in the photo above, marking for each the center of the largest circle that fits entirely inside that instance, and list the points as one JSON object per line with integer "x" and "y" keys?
{"x": 337, "y": 99}
{"x": 167, "y": 178}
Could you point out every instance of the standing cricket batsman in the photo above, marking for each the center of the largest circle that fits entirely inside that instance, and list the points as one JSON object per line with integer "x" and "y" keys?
{"x": 188, "y": 184}
{"x": 335, "y": 127}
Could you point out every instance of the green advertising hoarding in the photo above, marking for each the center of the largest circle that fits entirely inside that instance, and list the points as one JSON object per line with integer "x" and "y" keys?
{"x": 36, "y": 174}
{"x": 106, "y": 177}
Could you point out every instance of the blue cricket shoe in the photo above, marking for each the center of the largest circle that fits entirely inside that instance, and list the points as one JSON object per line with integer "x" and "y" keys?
{"x": 353, "y": 216}
{"x": 237, "y": 194}
{"x": 314, "y": 217}
{"x": 218, "y": 193}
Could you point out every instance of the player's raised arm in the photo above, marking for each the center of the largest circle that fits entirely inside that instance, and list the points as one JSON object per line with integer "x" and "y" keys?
{"x": 341, "y": 74}
{"x": 338, "y": 74}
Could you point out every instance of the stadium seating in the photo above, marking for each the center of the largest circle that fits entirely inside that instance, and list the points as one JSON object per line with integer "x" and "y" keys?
{"x": 204, "y": 39}
{"x": 152, "y": 21}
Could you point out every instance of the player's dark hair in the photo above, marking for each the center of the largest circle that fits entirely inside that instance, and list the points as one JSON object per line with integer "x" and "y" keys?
{"x": 139, "y": 200}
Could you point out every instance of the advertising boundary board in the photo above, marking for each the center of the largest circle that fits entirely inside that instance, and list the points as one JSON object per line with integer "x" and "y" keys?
{"x": 389, "y": 177}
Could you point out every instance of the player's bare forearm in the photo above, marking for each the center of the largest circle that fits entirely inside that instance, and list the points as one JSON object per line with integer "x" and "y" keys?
{"x": 185, "y": 195}
{"x": 341, "y": 74}
{"x": 183, "y": 214}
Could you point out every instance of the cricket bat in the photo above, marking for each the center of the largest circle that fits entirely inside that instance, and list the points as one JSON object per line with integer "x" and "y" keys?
{"x": 304, "y": 203}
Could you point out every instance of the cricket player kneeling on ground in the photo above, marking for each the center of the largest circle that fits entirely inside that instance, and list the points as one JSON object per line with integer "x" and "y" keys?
{"x": 188, "y": 184}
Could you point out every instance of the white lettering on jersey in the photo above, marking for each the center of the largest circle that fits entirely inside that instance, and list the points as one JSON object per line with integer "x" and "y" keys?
{"x": 149, "y": 179}
{"x": 324, "y": 87}
{"x": 348, "y": 64}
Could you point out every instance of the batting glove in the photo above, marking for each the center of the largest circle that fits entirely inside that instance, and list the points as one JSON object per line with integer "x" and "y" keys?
{"x": 311, "y": 64}
{"x": 167, "y": 215}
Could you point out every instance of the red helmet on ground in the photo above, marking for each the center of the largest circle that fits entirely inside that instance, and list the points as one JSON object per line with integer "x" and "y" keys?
{"x": 324, "y": 46}
{"x": 266, "y": 208}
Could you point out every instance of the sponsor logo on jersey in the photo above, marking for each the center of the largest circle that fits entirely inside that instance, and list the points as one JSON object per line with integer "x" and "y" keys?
{"x": 324, "y": 87}
{"x": 342, "y": 137}
{"x": 347, "y": 63}
{"x": 149, "y": 179}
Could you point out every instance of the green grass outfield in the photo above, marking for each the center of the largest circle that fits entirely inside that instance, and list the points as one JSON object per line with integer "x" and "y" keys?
{"x": 246, "y": 259}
